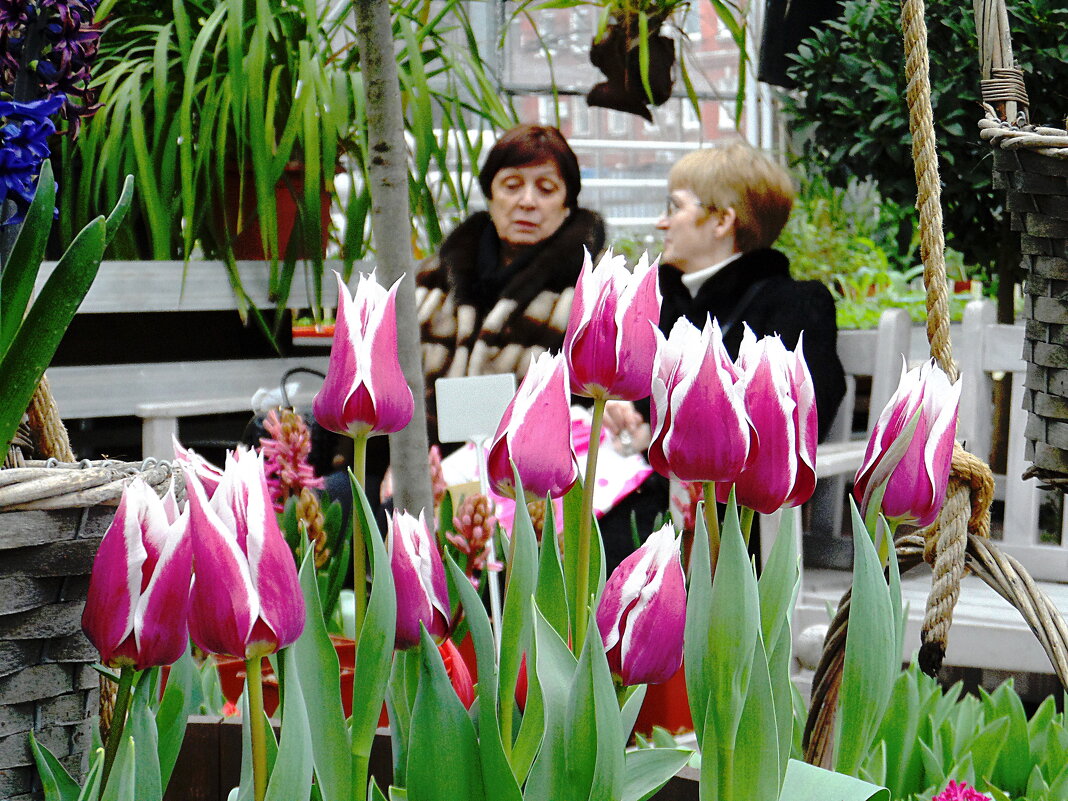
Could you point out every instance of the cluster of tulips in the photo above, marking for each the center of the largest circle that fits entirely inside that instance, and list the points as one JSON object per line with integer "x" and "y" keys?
{"x": 220, "y": 571}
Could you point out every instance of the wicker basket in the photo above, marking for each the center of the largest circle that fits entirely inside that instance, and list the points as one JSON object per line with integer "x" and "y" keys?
{"x": 1031, "y": 165}
{"x": 52, "y": 517}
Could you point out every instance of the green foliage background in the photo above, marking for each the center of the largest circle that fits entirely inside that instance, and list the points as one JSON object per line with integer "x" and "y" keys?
{"x": 852, "y": 118}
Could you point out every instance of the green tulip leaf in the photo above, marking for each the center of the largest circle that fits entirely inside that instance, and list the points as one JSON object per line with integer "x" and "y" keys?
{"x": 804, "y": 782}
{"x": 724, "y": 644}
{"x": 554, "y": 666}
{"x": 292, "y": 774}
{"x": 550, "y": 593}
{"x": 779, "y": 580}
{"x": 871, "y": 659}
{"x": 698, "y": 619}
{"x": 649, "y": 769}
{"x": 379, "y": 627}
{"x": 516, "y": 615}
{"x": 632, "y": 707}
{"x": 34, "y": 344}
{"x": 118, "y": 213}
{"x": 313, "y": 654}
{"x": 443, "y": 751}
{"x": 572, "y": 518}
{"x": 122, "y": 783}
{"x": 181, "y": 698}
{"x": 593, "y": 727}
{"x": 20, "y": 271}
{"x": 91, "y": 790}
{"x": 55, "y": 780}
{"x": 497, "y": 776}
{"x": 245, "y": 788}
{"x": 141, "y": 726}
{"x": 758, "y": 766}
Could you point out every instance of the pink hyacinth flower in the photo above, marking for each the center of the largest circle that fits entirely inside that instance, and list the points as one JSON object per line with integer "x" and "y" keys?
{"x": 535, "y": 433}
{"x": 960, "y": 792}
{"x": 642, "y": 612}
{"x": 419, "y": 576}
{"x": 781, "y": 403}
{"x": 701, "y": 431}
{"x": 610, "y": 341}
{"x": 138, "y": 603}
{"x": 365, "y": 391}
{"x": 916, "y": 471}
{"x": 246, "y": 598}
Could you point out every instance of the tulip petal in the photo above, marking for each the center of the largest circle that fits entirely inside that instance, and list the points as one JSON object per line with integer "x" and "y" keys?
{"x": 224, "y": 605}
{"x": 115, "y": 582}
{"x": 160, "y": 627}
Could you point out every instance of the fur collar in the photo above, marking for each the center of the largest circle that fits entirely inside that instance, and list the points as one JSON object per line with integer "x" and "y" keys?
{"x": 554, "y": 266}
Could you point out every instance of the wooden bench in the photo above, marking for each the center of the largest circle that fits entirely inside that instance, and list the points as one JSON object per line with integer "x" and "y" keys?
{"x": 161, "y": 393}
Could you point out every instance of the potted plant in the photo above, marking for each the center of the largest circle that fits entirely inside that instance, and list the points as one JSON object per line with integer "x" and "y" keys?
{"x": 226, "y": 115}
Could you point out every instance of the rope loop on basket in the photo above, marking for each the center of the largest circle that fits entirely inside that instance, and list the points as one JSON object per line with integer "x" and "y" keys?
{"x": 966, "y": 511}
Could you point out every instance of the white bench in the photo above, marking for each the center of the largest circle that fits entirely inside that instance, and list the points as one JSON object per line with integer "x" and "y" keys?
{"x": 987, "y": 632}
{"x": 161, "y": 393}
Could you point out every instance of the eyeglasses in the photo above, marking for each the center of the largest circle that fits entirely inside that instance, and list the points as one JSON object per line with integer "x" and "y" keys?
{"x": 672, "y": 206}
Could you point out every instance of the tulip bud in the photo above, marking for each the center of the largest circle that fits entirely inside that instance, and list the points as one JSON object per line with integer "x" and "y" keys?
{"x": 365, "y": 391}
{"x": 780, "y": 471}
{"x": 535, "y": 433}
{"x": 419, "y": 576}
{"x": 456, "y": 669}
{"x": 189, "y": 460}
{"x": 610, "y": 341}
{"x": 694, "y": 385}
{"x": 137, "y": 607}
{"x": 911, "y": 448}
{"x": 642, "y": 613}
{"x": 246, "y": 598}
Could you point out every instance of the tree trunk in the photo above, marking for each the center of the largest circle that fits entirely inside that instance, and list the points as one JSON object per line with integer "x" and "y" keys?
{"x": 392, "y": 236}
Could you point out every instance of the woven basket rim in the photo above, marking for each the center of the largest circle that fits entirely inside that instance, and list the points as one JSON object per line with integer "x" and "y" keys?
{"x": 1047, "y": 141}
{"x": 49, "y": 484}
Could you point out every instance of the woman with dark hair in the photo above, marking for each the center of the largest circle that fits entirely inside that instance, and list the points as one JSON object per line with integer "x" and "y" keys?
{"x": 499, "y": 290}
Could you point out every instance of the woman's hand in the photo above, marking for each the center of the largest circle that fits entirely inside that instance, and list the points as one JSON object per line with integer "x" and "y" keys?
{"x": 630, "y": 433}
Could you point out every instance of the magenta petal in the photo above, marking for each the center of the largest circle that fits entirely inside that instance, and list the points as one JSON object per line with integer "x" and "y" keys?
{"x": 224, "y": 605}
{"x": 115, "y": 582}
{"x": 768, "y": 478}
{"x": 653, "y": 646}
{"x": 392, "y": 398}
{"x": 329, "y": 403}
{"x": 162, "y": 629}
{"x": 419, "y": 578}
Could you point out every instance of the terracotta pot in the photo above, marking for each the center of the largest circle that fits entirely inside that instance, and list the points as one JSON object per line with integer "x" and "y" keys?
{"x": 325, "y": 331}
{"x": 666, "y": 706}
{"x": 232, "y": 676}
{"x": 247, "y": 242}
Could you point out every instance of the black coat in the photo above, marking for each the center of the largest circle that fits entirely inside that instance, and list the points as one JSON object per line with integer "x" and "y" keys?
{"x": 779, "y": 305}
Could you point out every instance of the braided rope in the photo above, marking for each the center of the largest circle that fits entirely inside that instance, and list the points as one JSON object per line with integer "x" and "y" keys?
{"x": 966, "y": 510}
{"x": 925, "y": 158}
{"x": 52, "y": 439}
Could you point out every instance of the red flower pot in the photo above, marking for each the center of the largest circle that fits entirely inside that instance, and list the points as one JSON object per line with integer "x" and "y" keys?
{"x": 666, "y": 706}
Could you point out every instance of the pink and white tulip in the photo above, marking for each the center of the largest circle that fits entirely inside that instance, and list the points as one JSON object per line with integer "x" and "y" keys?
{"x": 419, "y": 576}
{"x": 365, "y": 391}
{"x": 915, "y": 469}
{"x": 535, "y": 433}
{"x": 246, "y": 598}
{"x": 642, "y": 612}
{"x": 137, "y": 608}
{"x": 780, "y": 401}
{"x": 610, "y": 341}
{"x": 189, "y": 460}
{"x": 701, "y": 431}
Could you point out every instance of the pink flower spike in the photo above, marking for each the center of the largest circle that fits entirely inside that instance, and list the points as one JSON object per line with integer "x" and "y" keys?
{"x": 138, "y": 602}
{"x": 694, "y": 382}
{"x": 610, "y": 344}
{"x": 365, "y": 391}
{"x": 915, "y": 472}
{"x": 535, "y": 433}
{"x": 642, "y": 612}
{"x": 419, "y": 576}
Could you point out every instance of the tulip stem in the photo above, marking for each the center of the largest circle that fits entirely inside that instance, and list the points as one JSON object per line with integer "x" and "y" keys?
{"x": 359, "y": 547}
{"x": 118, "y": 721}
{"x": 745, "y": 517}
{"x": 254, "y": 682}
{"x": 712, "y": 523}
{"x": 589, "y": 483}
